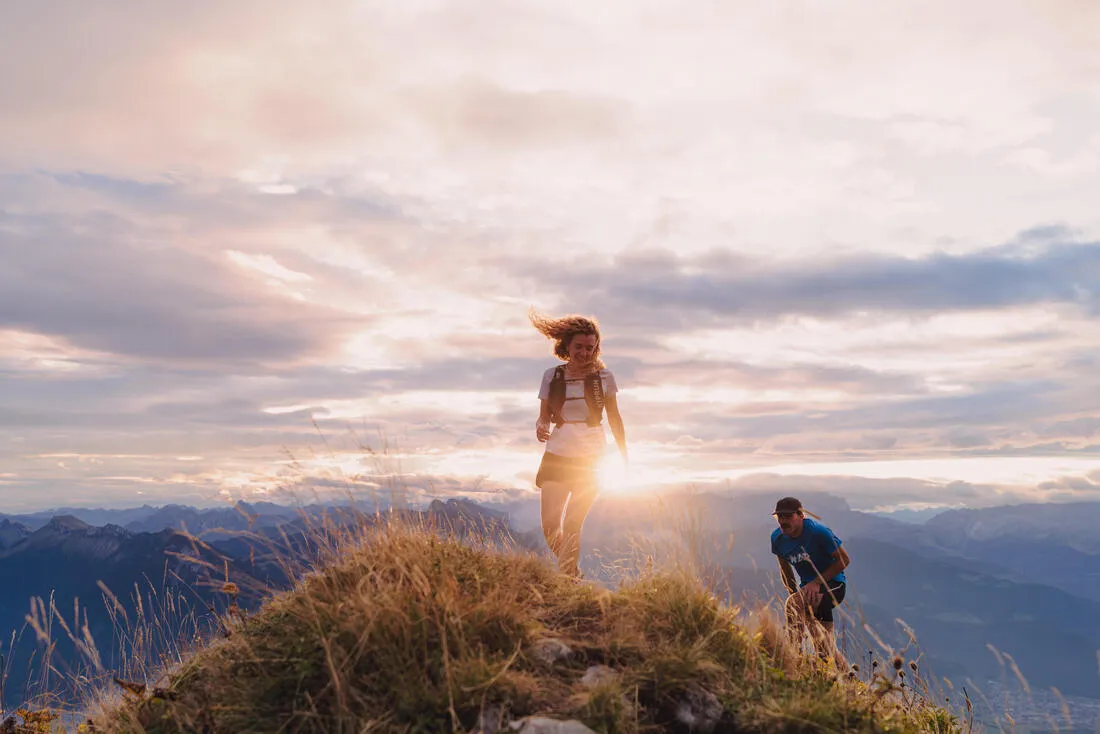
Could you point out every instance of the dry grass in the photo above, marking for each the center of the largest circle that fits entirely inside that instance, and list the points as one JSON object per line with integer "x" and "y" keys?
{"x": 402, "y": 630}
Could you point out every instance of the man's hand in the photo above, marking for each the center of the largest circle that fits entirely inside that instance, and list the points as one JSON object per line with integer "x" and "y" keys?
{"x": 542, "y": 431}
{"x": 812, "y": 593}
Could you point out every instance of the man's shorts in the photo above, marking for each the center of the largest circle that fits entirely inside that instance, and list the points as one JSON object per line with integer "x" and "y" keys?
{"x": 823, "y": 612}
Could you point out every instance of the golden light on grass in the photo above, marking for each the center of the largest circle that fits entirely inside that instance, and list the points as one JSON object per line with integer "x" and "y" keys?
{"x": 400, "y": 629}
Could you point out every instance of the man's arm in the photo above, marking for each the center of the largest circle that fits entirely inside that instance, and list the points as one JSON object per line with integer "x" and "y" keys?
{"x": 787, "y": 572}
{"x": 840, "y": 562}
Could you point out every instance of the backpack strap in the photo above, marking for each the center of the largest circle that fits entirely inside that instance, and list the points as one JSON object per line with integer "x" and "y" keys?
{"x": 594, "y": 396}
{"x": 557, "y": 396}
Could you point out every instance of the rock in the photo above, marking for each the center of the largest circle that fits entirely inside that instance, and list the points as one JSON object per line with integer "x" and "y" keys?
{"x": 551, "y": 650}
{"x": 542, "y": 725}
{"x": 490, "y": 721}
{"x": 699, "y": 710}
{"x": 598, "y": 675}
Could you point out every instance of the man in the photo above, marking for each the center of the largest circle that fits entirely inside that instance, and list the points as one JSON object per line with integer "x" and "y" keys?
{"x": 813, "y": 550}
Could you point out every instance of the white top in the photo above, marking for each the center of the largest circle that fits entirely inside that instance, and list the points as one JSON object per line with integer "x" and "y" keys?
{"x": 577, "y": 439}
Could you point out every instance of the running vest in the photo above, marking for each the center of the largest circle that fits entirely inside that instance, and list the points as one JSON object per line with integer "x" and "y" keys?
{"x": 593, "y": 396}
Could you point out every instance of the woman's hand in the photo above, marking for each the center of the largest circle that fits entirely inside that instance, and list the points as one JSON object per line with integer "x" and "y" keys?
{"x": 542, "y": 431}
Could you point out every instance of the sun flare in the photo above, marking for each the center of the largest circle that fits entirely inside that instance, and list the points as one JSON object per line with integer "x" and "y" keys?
{"x": 618, "y": 477}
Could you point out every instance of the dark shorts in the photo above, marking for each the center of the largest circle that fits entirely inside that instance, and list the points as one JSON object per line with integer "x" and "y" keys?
{"x": 567, "y": 470}
{"x": 823, "y": 612}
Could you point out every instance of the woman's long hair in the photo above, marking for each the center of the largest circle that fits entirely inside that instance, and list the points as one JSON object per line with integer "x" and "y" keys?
{"x": 562, "y": 330}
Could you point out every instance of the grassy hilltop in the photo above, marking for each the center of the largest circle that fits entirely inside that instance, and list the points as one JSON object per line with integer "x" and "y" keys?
{"x": 402, "y": 630}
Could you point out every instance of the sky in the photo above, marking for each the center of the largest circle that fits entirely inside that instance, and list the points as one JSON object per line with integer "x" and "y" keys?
{"x": 266, "y": 249}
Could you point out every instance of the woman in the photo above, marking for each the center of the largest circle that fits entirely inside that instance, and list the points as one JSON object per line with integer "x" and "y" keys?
{"x": 573, "y": 398}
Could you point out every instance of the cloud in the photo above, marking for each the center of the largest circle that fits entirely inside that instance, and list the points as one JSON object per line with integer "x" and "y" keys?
{"x": 220, "y": 224}
{"x": 106, "y": 283}
{"x": 860, "y": 492}
{"x": 476, "y": 113}
{"x": 716, "y": 126}
{"x": 1087, "y": 484}
{"x": 450, "y": 365}
{"x": 720, "y": 372}
{"x": 120, "y": 88}
{"x": 685, "y": 289}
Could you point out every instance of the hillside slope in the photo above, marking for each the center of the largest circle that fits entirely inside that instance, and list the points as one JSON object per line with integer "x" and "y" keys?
{"x": 404, "y": 631}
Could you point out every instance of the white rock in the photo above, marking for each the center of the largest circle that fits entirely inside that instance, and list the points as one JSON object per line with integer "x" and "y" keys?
{"x": 700, "y": 710}
{"x": 543, "y": 725}
{"x": 598, "y": 675}
{"x": 489, "y": 721}
{"x": 551, "y": 650}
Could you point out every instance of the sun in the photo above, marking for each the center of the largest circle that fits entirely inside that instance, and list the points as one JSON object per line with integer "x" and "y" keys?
{"x": 617, "y": 477}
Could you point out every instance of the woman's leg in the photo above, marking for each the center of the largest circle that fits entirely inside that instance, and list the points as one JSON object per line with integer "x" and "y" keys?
{"x": 554, "y": 497}
{"x": 580, "y": 502}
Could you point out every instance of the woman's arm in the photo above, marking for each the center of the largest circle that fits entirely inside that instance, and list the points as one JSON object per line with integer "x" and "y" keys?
{"x": 542, "y": 425}
{"x": 611, "y": 405}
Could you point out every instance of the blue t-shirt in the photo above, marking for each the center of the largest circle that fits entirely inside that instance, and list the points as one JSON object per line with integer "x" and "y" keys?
{"x": 812, "y": 549}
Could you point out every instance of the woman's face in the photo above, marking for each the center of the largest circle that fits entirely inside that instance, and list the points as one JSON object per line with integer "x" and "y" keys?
{"x": 582, "y": 348}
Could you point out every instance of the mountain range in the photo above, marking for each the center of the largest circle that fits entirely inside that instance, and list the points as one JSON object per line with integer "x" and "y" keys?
{"x": 982, "y": 590}
{"x": 157, "y": 582}
{"x": 103, "y": 583}
{"x": 972, "y": 585}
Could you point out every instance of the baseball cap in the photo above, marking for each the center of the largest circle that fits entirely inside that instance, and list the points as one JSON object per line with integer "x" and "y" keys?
{"x": 787, "y": 504}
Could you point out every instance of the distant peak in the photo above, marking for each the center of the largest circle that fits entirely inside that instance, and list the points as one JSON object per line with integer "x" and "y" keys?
{"x": 67, "y": 523}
